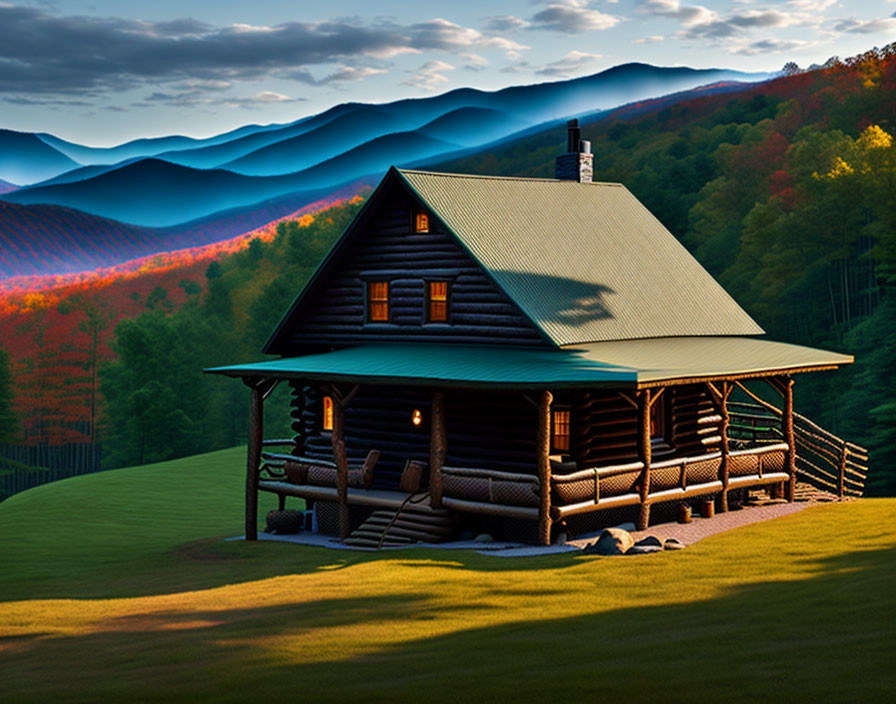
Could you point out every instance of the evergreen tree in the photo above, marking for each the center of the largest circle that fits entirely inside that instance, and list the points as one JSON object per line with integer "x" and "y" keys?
{"x": 8, "y": 420}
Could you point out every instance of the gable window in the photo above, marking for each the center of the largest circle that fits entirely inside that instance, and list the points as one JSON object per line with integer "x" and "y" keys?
{"x": 560, "y": 430}
{"x": 378, "y": 301}
{"x": 327, "y": 413}
{"x": 436, "y": 301}
{"x": 421, "y": 221}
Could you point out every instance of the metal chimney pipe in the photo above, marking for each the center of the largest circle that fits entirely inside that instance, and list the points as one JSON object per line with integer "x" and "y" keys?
{"x": 573, "y": 136}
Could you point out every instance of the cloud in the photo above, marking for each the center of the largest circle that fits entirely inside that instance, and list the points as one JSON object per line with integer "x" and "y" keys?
{"x": 571, "y": 17}
{"x": 505, "y": 23}
{"x": 430, "y": 75}
{"x": 352, "y": 73}
{"x": 687, "y": 14}
{"x": 814, "y": 5}
{"x": 269, "y": 96}
{"x": 571, "y": 64}
{"x": 734, "y": 25}
{"x": 86, "y": 55}
{"x": 855, "y": 26}
{"x": 649, "y": 40}
{"x": 768, "y": 46}
{"x": 475, "y": 62}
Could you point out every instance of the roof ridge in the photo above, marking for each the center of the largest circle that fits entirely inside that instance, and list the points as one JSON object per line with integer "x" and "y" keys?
{"x": 489, "y": 177}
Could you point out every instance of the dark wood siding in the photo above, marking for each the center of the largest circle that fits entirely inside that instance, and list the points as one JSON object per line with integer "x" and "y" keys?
{"x": 604, "y": 429}
{"x": 488, "y": 431}
{"x": 695, "y": 422}
{"x": 386, "y": 249}
{"x": 605, "y": 426}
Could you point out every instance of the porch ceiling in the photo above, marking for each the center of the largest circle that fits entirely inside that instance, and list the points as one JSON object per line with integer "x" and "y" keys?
{"x": 625, "y": 363}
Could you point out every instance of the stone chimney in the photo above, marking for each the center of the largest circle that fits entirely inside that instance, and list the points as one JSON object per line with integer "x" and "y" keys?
{"x": 578, "y": 162}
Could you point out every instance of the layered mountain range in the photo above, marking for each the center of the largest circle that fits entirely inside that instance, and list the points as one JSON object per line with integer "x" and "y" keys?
{"x": 155, "y": 194}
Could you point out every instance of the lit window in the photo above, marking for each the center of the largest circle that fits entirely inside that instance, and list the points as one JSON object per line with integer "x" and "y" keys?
{"x": 417, "y": 417}
{"x": 378, "y": 301}
{"x": 327, "y": 423}
{"x": 560, "y": 430}
{"x": 421, "y": 222}
{"x": 437, "y": 295}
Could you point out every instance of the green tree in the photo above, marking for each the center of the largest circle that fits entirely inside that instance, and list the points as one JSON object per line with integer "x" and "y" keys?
{"x": 8, "y": 422}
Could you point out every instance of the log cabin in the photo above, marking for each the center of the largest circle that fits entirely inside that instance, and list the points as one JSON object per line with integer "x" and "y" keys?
{"x": 518, "y": 355}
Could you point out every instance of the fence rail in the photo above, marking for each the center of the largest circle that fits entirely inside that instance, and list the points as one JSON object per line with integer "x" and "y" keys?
{"x": 822, "y": 459}
{"x": 26, "y": 466}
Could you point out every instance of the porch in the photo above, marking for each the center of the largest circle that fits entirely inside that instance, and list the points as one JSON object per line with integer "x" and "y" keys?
{"x": 515, "y": 470}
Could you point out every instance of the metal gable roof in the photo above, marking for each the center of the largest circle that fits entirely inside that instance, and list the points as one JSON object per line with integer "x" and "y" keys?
{"x": 587, "y": 262}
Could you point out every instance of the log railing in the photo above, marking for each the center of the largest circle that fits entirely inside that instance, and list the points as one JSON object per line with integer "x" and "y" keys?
{"x": 822, "y": 459}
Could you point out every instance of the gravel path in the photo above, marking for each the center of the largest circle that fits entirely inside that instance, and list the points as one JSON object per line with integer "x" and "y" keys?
{"x": 699, "y": 528}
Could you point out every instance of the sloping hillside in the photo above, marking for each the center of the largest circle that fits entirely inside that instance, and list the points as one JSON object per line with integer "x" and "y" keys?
{"x": 137, "y": 596}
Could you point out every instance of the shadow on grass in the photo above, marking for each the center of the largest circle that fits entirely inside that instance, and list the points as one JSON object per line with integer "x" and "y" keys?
{"x": 828, "y": 637}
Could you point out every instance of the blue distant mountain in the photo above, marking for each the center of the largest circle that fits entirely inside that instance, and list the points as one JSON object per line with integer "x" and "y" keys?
{"x": 167, "y": 181}
{"x": 7, "y": 187}
{"x": 145, "y": 147}
{"x": 326, "y": 141}
{"x": 24, "y": 158}
{"x": 156, "y": 193}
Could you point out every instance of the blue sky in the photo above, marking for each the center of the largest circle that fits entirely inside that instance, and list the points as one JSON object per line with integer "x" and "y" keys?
{"x": 103, "y": 71}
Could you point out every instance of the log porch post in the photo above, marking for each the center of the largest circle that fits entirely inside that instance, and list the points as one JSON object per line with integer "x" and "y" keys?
{"x": 725, "y": 464}
{"x": 437, "y": 448}
{"x": 787, "y": 430}
{"x": 644, "y": 453}
{"x": 542, "y": 452}
{"x": 259, "y": 389}
{"x": 338, "y": 440}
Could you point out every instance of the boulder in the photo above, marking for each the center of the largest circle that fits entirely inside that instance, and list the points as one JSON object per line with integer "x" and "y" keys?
{"x": 673, "y": 544}
{"x": 650, "y": 541}
{"x": 643, "y": 549}
{"x": 483, "y": 538}
{"x": 613, "y": 541}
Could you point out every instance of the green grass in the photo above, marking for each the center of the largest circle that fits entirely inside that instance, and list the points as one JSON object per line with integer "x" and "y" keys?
{"x": 119, "y": 587}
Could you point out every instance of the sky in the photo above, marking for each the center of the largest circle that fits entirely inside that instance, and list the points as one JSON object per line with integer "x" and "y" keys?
{"x": 102, "y": 72}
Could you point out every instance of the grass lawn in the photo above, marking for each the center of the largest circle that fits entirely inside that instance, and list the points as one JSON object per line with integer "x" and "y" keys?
{"x": 119, "y": 587}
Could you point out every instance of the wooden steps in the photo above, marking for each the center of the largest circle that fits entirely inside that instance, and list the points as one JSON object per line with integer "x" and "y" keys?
{"x": 413, "y": 522}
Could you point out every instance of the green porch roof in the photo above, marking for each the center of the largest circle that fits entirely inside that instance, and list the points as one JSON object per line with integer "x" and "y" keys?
{"x": 626, "y": 363}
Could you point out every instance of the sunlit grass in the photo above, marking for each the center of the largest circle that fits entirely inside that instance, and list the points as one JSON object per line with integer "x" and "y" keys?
{"x": 130, "y": 593}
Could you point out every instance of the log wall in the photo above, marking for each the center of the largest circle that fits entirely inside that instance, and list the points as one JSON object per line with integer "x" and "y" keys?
{"x": 695, "y": 423}
{"x": 484, "y": 430}
{"x": 605, "y": 425}
{"x": 604, "y": 429}
{"x": 494, "y": 430}
{"x": 385, "y": 248}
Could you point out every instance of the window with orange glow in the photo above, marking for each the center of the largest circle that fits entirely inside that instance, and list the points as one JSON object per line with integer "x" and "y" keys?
{"x": 327, "y": 419}
{"x": 421, "y": 222}
{"x": 560, "y": 430}
{"x": 378, "y": 301}
{"x": 437, "y": 293}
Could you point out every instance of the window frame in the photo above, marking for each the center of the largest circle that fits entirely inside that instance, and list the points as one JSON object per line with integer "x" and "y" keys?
{"x": 428, "y": 303}
{"x": 416, "y": 214}
{"x": 659, "y": 419}
{"x": 555, "y": 448}
{"x": 369, "y": 301}
{"x": 326, "y": 413}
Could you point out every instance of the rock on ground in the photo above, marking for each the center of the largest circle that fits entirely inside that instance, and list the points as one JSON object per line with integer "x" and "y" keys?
{"x": 613, "y": 541}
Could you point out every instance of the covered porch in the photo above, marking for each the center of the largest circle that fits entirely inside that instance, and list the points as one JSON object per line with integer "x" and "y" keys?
{"x": 612, "y": 389}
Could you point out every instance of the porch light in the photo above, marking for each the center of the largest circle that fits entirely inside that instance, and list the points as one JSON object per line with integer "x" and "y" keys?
{"x": 416, "y": 417}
